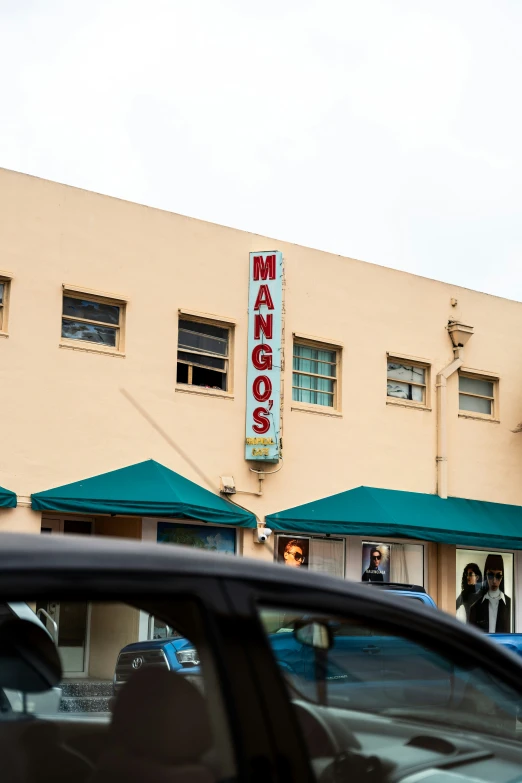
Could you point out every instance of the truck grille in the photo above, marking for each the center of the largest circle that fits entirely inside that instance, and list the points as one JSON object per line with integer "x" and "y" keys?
{"x": 130, "y": 662}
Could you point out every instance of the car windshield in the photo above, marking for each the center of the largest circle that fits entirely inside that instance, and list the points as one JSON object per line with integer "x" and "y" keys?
{"x": 369, "y": 670}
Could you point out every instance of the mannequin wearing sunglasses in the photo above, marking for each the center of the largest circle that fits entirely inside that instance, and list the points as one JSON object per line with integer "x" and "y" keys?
{"x": 372, "y": 573}
{"x": 492, "y": 611}
{"x": 470, "y": 590}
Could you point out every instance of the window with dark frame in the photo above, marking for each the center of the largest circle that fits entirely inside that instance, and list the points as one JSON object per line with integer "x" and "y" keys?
{"x": 203, "y": 354}
{"x": 406, "y": 381}
{"x": 92, "y": 320}
{"x": 314, "y": 376}
{"x": 476, "y": 394}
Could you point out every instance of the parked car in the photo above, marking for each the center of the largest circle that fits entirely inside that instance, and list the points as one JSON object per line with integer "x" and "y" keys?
{"x": 512, "y": 641}
{"x": 249, "y": 721}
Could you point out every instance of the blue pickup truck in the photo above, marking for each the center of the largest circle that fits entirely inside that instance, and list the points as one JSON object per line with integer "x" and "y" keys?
{"x": 379, "y": 662}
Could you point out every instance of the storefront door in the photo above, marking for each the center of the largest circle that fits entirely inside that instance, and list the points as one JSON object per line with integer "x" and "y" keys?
{"x": 68, "y": 621}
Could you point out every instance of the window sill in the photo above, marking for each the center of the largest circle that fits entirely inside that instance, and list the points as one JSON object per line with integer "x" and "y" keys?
{"x": 477, "y": 417}
{"x": 321, "y": 410}
{"x": 88, "y": 349}
{"x": 186, "y": 389}
{"x": 405, "y": 404}
{"x": 4, "y": 334}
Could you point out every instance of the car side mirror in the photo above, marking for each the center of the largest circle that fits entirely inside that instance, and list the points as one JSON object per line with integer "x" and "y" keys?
{"x": 314, "y": 633}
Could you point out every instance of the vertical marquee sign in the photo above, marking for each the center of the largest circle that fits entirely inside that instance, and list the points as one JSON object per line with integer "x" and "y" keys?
{"x": 265, "y": 305}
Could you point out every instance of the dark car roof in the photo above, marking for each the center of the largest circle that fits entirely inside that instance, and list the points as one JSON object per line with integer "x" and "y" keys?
{"x": 50, "y": 562}
{"x": 23, "y": 555}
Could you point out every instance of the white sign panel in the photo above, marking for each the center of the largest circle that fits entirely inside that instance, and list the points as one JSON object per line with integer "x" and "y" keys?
{"x": 265, "y": 304}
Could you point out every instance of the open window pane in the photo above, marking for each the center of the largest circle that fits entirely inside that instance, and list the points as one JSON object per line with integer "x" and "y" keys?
{"x": 201, "y": 328}
{"x": 202, "y": 342}
{"x": 206, "y": 364}
{"x": 92, "y": 311}
{"x": 210, "y": 379}
{"x": 77, "y": 330}
{"x": 475, "y": 404}
{"x": 182, "y": 373}
{"x": 200, "y": 360}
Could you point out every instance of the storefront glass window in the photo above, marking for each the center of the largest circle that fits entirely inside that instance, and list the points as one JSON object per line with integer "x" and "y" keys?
{"x": 485, "y": 589}
{"x": 318, "y": 554}
{"x": 327, "y": 556}
{"x": 392, "y": 562}
{"x": 209, "y": 537}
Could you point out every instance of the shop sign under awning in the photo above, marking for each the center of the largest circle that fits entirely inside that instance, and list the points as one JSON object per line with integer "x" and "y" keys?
{"x": 366, "y": 511}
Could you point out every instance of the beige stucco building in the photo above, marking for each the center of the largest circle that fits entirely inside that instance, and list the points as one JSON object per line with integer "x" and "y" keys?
{"x": 110, "y": 310}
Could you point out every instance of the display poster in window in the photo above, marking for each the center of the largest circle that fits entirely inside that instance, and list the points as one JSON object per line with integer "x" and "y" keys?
{"x": 293, "y": 551}
{"x": 376, "y": 562}
{"x": 213, "y": 539}
{"x": 485, "y": 589}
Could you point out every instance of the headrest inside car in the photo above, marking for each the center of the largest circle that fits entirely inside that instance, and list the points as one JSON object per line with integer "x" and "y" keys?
{"x": 29, "y": 660}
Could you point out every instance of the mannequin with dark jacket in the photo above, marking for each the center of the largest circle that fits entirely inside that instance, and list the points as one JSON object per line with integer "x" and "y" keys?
{"x": 470, "y": 589}
{"x": 492, "y": 610}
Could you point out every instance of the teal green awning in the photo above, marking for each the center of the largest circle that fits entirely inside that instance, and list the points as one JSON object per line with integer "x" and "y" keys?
{"x": 368, "y": 511}
{"x": 7, "y": 498}
{"x": 146, "y": 489}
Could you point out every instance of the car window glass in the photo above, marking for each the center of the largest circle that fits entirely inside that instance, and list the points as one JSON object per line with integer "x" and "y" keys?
{"x": 163, "y": 694}
{"x": 369, "y": 677}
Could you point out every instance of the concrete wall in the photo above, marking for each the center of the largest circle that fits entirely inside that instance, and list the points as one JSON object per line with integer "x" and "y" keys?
{"x": 64, "y": 417}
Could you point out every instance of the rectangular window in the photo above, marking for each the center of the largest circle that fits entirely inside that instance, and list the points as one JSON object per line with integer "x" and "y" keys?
{"x": 327, "y": 556}
{"x": 210, "y": 537}
{"x": 4, "y": 293}
{"x": 476, "y": 395}
{"x": 315, "y": 553}
{"x": 392, "y": 562}
{"x": 314, "y": 377}
{"x": 203, "y": 354}
{"x": 92, "y": 320}
{"x": 406, "y": 381}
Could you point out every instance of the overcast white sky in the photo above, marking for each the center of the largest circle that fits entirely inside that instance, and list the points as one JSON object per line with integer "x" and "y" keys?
{"x": 389, "y": 131}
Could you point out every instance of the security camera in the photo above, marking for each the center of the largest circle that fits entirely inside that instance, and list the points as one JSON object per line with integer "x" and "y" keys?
{"x": 261, "y": 535}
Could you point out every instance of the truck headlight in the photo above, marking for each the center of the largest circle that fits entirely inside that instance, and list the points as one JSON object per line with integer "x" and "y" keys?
{"x": 188, "y": 657}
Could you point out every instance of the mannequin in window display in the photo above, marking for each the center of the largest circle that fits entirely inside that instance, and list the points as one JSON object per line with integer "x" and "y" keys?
{"x": 470, "y": 590}
{"x": 491, "y": 612}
